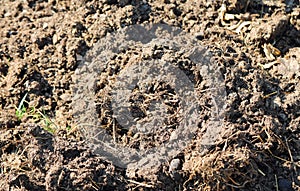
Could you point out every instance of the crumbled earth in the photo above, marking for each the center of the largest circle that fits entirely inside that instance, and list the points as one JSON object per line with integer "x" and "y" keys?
{"x": 255, "y": 45}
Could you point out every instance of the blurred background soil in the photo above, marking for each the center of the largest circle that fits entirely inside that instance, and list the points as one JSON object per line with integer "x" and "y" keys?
{"x": 256, "y": 45}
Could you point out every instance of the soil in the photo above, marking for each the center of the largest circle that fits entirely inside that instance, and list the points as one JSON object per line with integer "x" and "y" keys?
{"x": 255, "y": 46}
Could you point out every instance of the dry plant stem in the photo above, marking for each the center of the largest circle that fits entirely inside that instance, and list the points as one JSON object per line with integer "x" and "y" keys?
{"x": 282, "y": 159}
{"x": 291, "y": 156}
{"x": 276, "y": 183}
{"x": 114, "y": 131}
{"x": 241, "y": 186}
{"x": 141, "y": 184}
{"x": 96, "y": 187}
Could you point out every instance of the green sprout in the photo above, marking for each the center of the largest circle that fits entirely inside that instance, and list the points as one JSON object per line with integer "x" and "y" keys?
{"x": 48, "y": 123}
{"x": 36, "y": 115}
{"x": 21, "y": 109}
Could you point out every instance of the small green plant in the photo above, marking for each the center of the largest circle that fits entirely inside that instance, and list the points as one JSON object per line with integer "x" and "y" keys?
{"x": 49, "y": 125}
{"x": 36, "y": 115}
{"x": 69, "y": 128}
{"x": 21, "y": 109}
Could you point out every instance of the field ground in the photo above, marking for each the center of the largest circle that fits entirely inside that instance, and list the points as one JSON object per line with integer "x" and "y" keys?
{"x": 255, "y": 45}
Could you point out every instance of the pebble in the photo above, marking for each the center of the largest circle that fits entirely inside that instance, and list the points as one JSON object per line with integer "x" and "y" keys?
{"x": 174, "y": 165}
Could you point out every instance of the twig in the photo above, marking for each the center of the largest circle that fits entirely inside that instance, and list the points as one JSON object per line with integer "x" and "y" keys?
{"x": 140, "y": 183}
{"x": 291, "y": 156}
{"x": 276, "y": 183}
{"x": 269, "y": 95}
{"x": 114, "y": 131}
{"x": 94, "y": 184}
{"x": 282, "y": 159}
{"x": 261, "y": 172}
{"x": 241, "y": 186}
{"x": 290, "y": 153}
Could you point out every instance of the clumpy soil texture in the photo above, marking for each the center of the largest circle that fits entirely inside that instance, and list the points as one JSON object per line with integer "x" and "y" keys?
{"x": 254, "y": 46}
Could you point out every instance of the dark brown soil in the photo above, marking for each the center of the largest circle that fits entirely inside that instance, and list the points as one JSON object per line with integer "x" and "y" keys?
{"x": 254, "y": 44}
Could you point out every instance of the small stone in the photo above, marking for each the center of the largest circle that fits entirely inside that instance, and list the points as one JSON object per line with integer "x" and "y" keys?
{"x": 174, "y": 165}
{"x": 72, "y": 175}
{"x": 45, "y": 25}
{"x": 174, "y": 135}
{"x": 79, "y": 57}
{"x": 54, "y": 39}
